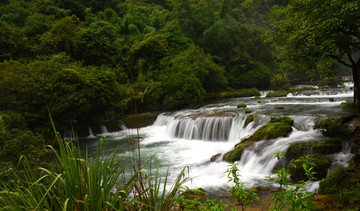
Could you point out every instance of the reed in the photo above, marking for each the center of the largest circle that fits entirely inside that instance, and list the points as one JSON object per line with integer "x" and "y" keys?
{"x": 88, "y": 183}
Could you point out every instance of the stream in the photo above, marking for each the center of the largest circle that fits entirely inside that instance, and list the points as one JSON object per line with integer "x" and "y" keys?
{"x": 192, "y": 137}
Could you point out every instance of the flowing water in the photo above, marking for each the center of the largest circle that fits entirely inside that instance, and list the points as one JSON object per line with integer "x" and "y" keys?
{"x": 199, "y": 137}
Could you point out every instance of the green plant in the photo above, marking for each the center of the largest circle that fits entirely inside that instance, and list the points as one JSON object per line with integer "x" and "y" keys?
{"x": 295, "y": 195}
{"x": 87, "y": 183}
{"x": 238, "y": 191}
{"x": 191, "y": 200}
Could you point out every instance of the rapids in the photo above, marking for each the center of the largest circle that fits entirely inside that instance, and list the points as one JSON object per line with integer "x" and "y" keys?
{"x": 192, "y": 137}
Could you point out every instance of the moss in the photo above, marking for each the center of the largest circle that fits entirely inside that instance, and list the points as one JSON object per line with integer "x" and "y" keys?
{"x": 334, "y": 128}
{"x": 143, "y": 120}
{"x": 277, "y": 127}
{"x": 234, "y": 93}
{"x": 250, "y": 118}
{"x": 280, "y": 93}
{"x": 320, "y": 165}
{"x": 236, "y": 153}
{"x": 325, "y": 147}
{"x": 241, "y": 105}
{"x": 333, "y": 182}
{"x": 279, "y": 107}
{"x": 248, "y": 111}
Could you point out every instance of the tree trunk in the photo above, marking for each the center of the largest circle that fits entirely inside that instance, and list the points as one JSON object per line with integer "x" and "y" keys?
{"x": 356, "y": 78}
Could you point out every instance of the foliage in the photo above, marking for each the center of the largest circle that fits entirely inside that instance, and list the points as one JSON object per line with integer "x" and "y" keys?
{"x": 241, "y": 195}
{"x": 192, "y": 200}
{"x": 70, "y": 90}
{"x": 86, "y": 183}
{"x": 317, "y": 35}
{"x": 343, "y": 186}
{"x": 280, "y": 81}
{"x": 290, "y": 194}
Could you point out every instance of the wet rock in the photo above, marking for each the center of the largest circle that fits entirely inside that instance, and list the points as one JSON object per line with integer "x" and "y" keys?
{"x": 277, "y": 127}
{"x": 320, "y": 165}
{"x": 215, "y": 157}
{"x": 324, "y": 147}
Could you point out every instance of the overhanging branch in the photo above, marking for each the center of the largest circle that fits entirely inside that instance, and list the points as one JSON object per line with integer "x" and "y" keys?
{"x": 340, "y": 61}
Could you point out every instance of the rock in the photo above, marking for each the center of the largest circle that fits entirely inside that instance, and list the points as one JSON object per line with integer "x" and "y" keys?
{"x": 241, "y": 105}
{"x": 250, "y": 118}
{"x": 215, "y": 157}
{"x": 277, "y": 127}
{"x": 321, "y": 165}
{"x": 324, "y": 147}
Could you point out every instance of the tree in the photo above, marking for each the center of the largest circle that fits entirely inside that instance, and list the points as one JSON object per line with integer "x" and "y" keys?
{"x": 318, "y": 34}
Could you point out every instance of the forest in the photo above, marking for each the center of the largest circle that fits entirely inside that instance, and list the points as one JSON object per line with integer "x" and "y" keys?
{"x": 86, "y": 60}
{"x": 104, "y": 59}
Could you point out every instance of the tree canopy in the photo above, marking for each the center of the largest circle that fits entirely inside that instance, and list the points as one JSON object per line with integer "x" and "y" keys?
{"x": 316, "y": 35}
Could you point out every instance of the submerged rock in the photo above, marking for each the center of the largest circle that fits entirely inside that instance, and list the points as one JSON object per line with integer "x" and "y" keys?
{"x": 277, "y": 127}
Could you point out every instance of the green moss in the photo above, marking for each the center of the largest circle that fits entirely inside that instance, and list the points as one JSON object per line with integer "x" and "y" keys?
{"x": 334, "y": 182}
{"x": 140, "y": 120}
{"x": 241, "y": 105}
{"x": 279, "y": 107}
{"x": 334, "y": 128}
{"x": 325, "y": 147}
{"x": 320, "y": 165}
{"x": 280, "y": 93}
{"x": 277, "y": 127}
{"x": 240, "y": 93}
{"x": 236, "y": 153}
{"x": 250, "y": 118}
{"x": 248, "y": 111}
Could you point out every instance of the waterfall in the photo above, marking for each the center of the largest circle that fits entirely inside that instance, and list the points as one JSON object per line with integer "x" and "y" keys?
{"x": 258, "y": 158}
{"x": 91, "y": 134}
{"x": 104, "y": 129}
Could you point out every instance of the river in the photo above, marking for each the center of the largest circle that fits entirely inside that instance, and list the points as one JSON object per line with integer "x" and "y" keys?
{"x": 192, "y": 137}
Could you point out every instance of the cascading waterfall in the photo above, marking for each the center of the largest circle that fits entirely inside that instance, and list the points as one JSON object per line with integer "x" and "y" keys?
{"x": 193, "y": 137}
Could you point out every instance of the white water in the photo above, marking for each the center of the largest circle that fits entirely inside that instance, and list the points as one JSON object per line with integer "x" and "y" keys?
{"x": 193, "y": 137}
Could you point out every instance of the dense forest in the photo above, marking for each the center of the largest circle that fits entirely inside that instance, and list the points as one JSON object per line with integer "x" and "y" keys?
{"x": 85, "y": 60}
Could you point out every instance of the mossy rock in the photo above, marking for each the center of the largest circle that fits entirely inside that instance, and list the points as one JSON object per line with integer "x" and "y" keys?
{"x": 322, "y": 163}
{"x": 143, "y": 120}
{"x": 250, "y": 118}
{"x": 277, "y": 127}
{"x": 241, "y": 105}
{"x": 279, "y": 107}
{"x": 334, "y": 182}
{"x": 334, "y": 128}
{"x": 236, "y": 153}
{"x": 280, "y": 93}
{"x": 248, "y": 111}
{"x": 324, "y": 147}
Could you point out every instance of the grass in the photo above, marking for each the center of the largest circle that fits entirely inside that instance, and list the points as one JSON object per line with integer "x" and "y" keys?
{"x": 87, "y": 183}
